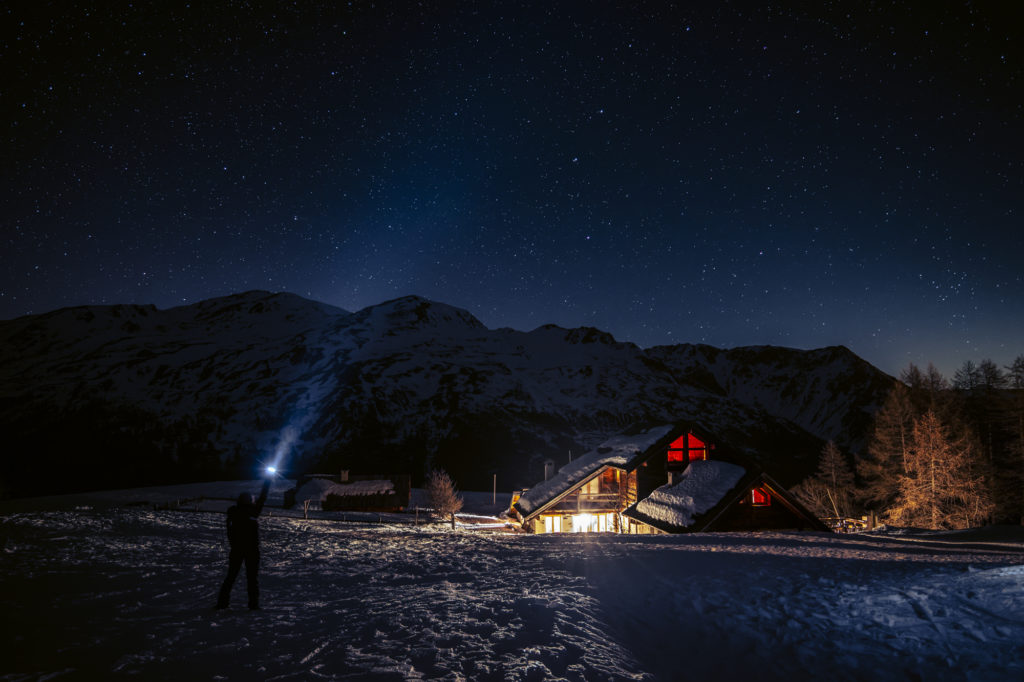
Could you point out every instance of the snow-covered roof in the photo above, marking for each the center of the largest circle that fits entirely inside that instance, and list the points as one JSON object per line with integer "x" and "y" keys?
{"x": 318, "y": 489}
{"x": 315, "y": 489}
{"x": 703, "y": 485}
{"x": 619, "y": 451}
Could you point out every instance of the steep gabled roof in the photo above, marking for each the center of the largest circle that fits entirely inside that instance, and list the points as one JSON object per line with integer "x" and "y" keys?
{"x": 706, "y": 492}
{"x": 778, "y": 493}
{"x": 702, "y": 487}
{"x": 624, "y": 451}
{"x": 659, "y": 449}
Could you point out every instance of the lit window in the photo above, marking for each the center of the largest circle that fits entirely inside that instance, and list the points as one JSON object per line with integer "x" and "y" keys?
{"x": 687, "y": 448}
{"x": 593, "y": 523}
{"x": 759, "y": 497}
{"x": 584, "y": 523}
{"x": 552, "y": 524}
{"x": 698, "y": 449}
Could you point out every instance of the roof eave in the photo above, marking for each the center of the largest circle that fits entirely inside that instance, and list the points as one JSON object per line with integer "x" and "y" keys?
{"x": 561, "y": 496}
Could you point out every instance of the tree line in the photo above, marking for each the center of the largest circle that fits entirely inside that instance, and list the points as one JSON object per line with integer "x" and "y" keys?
{"x": 940, "y": 455}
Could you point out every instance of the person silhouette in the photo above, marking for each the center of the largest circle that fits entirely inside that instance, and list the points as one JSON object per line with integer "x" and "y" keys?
{"x": 243, "y": 536}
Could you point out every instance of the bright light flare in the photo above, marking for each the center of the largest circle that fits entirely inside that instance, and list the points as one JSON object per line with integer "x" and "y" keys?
{"x": 584, "y": 523}
{"x": 284, "y": 446}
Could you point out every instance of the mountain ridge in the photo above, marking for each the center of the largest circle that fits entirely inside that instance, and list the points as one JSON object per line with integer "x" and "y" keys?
{"x": 406, "y": 384}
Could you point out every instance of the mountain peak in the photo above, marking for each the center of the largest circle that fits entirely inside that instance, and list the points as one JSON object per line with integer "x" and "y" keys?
{"x": 258, "y": 303}
{"x": 415, "y": 312}
{"x": 589, "y": 335}
{"x": 402, "y": 383}
{"x": 582, "y": 335}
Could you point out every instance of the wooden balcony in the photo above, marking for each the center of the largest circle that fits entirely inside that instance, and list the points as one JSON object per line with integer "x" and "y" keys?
{"x": 592, "y": 502}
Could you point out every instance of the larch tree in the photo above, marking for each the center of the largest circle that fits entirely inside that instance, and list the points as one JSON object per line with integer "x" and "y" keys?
{"x": 984, "y": 408}
{"x": 880, "y": 468}
{"x": 991, "y": 376}
{"x": 1016, "y": 372}
{"x": 814, "y": 495}
{"x": 937, "y": 388}
{"x": 1015, "y": 472}
{"x": 941, "y": 486}
{"x": 442, "y": 496}
{"x": 835, "y": 474}
{"x": 934, "y": 381}
{"x": 913, "y": 377}
{"x": 1010, "y": 483}
{"x": 968, "y": 377}
{"x": 929, "y": 390}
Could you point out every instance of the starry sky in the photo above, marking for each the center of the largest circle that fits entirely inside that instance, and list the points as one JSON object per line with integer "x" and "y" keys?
{"x": 730, "y": 173}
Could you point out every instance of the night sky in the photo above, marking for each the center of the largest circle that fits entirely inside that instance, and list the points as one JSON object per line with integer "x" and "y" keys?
{"x": 731, "y": 174}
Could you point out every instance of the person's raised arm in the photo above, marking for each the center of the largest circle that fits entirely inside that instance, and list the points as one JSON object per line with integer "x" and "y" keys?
{"x": 263, "y": 495}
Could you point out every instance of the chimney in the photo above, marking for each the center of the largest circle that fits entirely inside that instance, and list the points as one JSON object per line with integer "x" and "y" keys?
{"x": 549, "y": 468}
{"x": 343, "y": 478}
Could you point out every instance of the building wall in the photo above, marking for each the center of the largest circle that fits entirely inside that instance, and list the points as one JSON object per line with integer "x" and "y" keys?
{"x": 650, "y": 476}
{"x": 744, "y": 516}
{"x": 634, "y": 527}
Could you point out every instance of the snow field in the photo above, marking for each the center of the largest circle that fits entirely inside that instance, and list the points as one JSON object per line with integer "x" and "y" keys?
{"x": 129, "y": 593}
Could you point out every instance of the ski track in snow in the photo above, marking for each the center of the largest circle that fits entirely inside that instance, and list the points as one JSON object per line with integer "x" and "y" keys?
{"x": 106, "y": 594}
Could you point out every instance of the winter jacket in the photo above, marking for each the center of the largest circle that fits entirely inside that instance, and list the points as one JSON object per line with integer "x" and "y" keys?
{"x": 243, "y": 529}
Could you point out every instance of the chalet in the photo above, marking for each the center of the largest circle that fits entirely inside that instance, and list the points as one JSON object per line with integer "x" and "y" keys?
{"x": 663, "y": 479}
{"x": 354, "y": 492}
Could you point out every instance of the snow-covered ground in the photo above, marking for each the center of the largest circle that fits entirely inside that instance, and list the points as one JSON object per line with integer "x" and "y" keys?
{"x": 107, "y": 593}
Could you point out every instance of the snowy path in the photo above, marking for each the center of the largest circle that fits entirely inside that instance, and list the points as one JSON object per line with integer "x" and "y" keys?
{"x": 129, "y": 593}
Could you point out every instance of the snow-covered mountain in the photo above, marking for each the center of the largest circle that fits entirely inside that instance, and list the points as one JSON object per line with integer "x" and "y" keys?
{"x": 134, "y": 394}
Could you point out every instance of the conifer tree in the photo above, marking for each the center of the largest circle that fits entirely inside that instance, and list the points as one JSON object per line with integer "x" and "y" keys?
{"x": 1009, "y": 484}
{"x": 968, "y": 377}
{"x": 1014, "y": 487}
{"x": 934, "y": 380}
{"x": 936, "y": 386}
{"x": 814, "y": 495}
{"x": 929, "y": 390}
{"x": 990, "y": 376}
{"x": 942, "y": 485}
{"x": 913, "y": 377}
{"x": 830, "y": 491}
{"x": 442, "y": 496}
{"x": 835, "y": 474}
{"x": 880, "y": 468}
{"x": 1016, "y": 373}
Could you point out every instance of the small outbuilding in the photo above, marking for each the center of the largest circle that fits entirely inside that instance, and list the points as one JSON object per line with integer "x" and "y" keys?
{"x": 355, "y": 492}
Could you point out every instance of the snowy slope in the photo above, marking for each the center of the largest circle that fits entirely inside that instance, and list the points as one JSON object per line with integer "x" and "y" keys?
{"x": 404, "y": 385}
{"x": 128, "y": 593}
{"x": 829, "y": 391}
